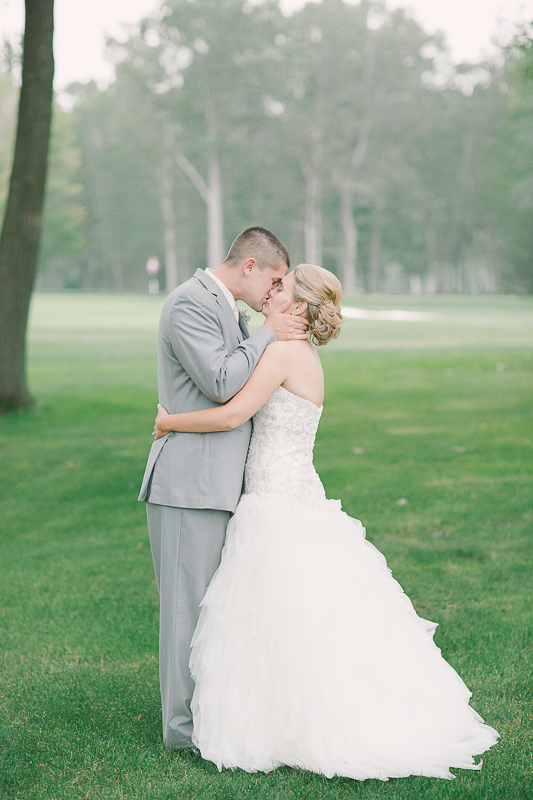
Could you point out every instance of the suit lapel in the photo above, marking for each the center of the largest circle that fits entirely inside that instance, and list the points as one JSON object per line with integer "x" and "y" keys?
{"x": 215, "y": 290}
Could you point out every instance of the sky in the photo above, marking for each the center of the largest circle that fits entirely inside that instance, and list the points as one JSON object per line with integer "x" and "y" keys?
{"x": 81, "y": 27}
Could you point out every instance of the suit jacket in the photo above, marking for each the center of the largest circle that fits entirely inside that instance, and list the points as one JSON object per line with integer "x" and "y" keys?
{"x": 204, "y": 358}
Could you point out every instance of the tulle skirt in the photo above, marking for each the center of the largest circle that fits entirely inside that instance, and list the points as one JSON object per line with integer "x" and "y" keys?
{"x": 308, "y": 653}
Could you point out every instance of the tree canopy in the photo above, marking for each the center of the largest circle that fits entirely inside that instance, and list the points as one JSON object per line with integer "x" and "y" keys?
{"x": 344, "y": 128}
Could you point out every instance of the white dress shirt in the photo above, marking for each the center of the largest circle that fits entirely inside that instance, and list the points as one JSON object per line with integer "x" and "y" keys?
{"x": 227, "y": 294}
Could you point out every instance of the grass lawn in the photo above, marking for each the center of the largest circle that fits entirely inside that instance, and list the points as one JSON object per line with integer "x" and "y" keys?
{"x": 436, "y": 413}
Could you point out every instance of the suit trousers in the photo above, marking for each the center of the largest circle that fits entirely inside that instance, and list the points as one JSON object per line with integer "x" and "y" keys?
{"x": 186, "y": 547}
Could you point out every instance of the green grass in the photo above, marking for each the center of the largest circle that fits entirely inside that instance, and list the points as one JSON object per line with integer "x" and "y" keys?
{"x": 437, "y": 413}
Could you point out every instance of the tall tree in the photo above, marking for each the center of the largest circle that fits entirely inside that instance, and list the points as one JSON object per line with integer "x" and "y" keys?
{"x": 377, "y": 93}
{"x": 19, "y": 243}
{"x": 216, "y": 57}
{"x": 517, "y": 206}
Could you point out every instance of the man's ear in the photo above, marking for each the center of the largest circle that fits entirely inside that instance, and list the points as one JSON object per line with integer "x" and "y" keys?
{"x": 301, "y": 308}
{"x": 248, "y": 266}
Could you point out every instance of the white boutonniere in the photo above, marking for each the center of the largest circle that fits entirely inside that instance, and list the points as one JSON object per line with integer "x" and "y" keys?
{"x": 245, "y": 316}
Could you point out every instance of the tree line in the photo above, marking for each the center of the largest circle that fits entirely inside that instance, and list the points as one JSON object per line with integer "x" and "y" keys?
{"x": 343, "y": 128}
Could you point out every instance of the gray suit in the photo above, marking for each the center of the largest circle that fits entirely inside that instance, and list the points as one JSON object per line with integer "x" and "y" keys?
{"x": 192, "y": 481}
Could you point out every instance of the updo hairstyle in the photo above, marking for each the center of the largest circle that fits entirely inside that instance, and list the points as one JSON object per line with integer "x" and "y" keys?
{"x": 322, "y": 291}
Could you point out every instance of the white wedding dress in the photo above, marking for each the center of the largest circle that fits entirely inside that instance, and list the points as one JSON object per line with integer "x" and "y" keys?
{"x": 307, "y": 651}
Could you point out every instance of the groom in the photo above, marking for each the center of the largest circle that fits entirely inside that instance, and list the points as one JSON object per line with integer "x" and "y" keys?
{"x": 193, "y": 481}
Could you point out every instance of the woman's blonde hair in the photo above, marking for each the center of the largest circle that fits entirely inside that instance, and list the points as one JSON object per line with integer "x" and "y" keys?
{"x": 322, "y": 291}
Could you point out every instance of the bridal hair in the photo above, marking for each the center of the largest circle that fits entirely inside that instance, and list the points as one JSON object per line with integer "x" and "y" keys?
{"x": 322, "y": 291}
{"x": 258, "y": 243}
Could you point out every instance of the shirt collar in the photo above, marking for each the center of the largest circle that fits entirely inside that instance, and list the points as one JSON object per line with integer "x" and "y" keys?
{"x": 227, "y": 294}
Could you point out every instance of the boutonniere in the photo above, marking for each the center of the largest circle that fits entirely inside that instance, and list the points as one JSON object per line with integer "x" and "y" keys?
{"x": 245, "y": 316}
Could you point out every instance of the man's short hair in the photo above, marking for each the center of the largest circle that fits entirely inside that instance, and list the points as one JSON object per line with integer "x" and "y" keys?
{"x": 258, "y": 243}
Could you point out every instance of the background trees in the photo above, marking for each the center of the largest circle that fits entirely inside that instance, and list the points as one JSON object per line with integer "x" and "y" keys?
{"x": 342, "y": 127}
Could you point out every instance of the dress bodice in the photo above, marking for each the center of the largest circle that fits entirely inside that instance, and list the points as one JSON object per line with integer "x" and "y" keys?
{"x": 280, "y": 458}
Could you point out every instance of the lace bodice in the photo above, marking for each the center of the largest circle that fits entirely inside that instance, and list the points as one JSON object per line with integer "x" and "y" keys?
{"x": 280, "y": 458}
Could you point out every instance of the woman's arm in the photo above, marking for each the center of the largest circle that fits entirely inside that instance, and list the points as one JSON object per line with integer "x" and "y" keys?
{"x": 271, "y": 371}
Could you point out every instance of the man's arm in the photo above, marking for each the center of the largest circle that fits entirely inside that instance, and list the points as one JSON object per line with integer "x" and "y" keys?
{"x": 198, "y": 343}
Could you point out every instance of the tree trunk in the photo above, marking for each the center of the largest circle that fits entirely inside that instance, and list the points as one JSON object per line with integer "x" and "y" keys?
{"x": 215, "y": 212}
{"x": 313, "y": 218}
{"x": 433, "y": 281}
{"x": 349, "y": 227}
{"x": 349, "y": 230}
{"x": 491, "y": 264}
{"x": 166, "y": 197}
{"x": 19, "y": 243}
{"x": 211, "y": 194}
{"x": 458, "y": 283}
{"x": 111, "y": 251}
{"x": 375, "y": 248}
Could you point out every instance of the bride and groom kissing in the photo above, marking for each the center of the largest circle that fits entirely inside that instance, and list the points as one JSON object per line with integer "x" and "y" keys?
{"x": 284, "y": 638}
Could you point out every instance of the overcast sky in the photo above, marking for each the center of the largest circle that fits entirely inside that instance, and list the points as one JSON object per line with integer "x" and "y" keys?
{"x": 81, "y": 26}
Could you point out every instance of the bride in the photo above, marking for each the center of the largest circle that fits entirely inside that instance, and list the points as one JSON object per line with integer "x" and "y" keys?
{"x": 307, "y": 651}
